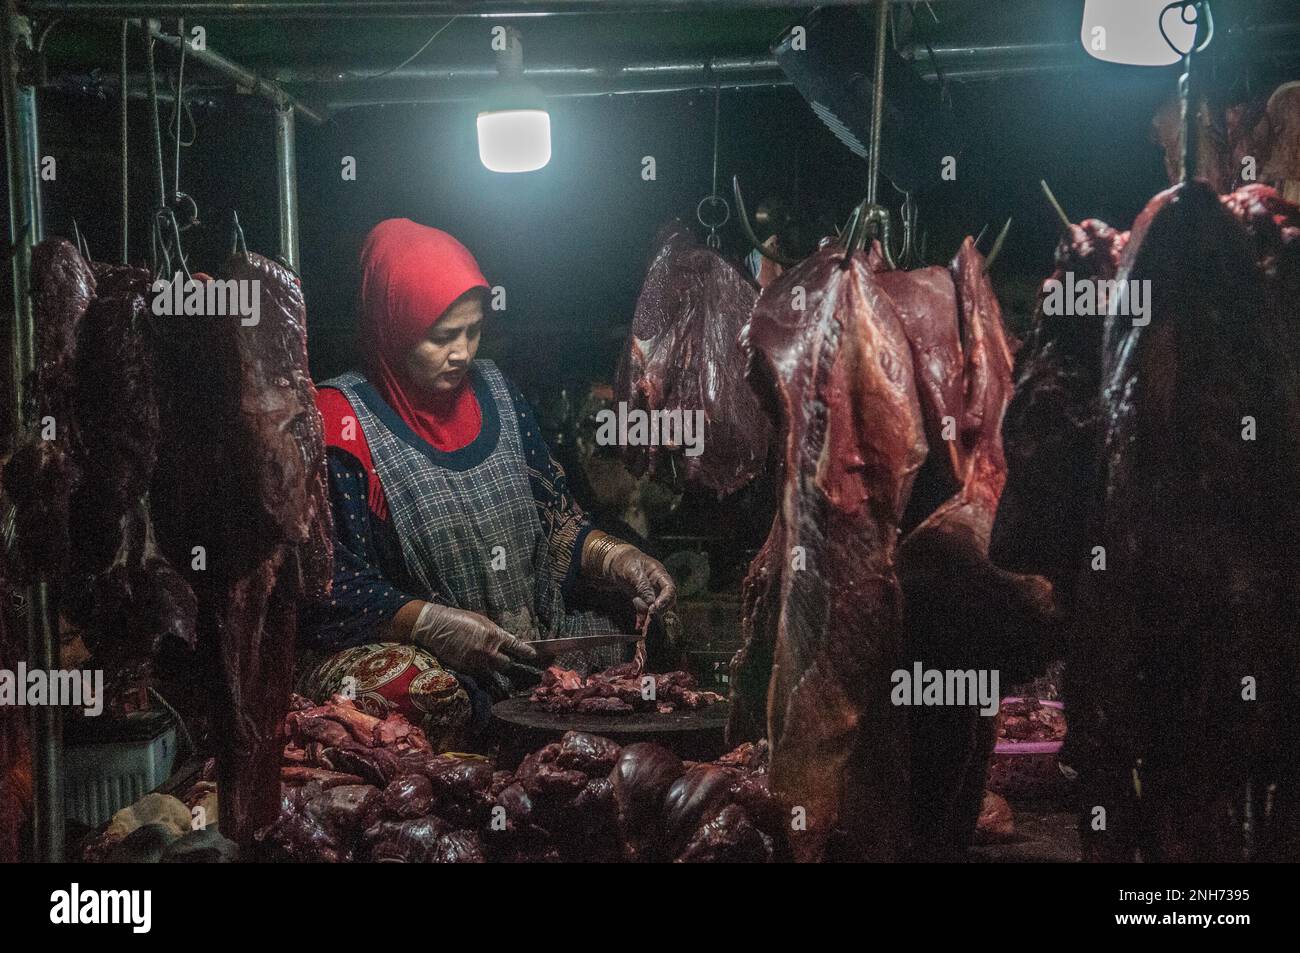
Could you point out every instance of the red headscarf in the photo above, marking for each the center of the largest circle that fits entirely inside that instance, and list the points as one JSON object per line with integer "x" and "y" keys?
{"x": 410, "y": 275}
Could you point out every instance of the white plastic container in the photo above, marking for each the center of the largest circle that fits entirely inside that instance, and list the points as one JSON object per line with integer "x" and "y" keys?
{"x": 102, "y": 776}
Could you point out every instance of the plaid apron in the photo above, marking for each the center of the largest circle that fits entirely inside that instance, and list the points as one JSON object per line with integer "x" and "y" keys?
{"x": 467, "y": 520}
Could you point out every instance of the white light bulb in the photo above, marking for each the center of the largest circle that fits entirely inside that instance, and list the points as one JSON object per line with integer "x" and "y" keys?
{"x": 514, "y": 140}
{"x": 1129, "y": 31}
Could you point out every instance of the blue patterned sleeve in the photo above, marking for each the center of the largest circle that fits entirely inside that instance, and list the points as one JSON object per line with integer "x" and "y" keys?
{"x": 363, "y": 599}
{"x": 563, "y": 520}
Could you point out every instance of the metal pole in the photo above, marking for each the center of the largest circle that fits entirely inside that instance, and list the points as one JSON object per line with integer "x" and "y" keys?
{"x": 242, "y": 77}
{"x": 331, "y": 9}
{"x": 286, "y": 178}
{"x": 877, "y": 99}
{"x": 22, "y": 155}
{"x": 25, "y": 225}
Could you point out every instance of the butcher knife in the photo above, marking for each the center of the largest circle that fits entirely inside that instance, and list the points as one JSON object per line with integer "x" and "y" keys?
{"x": 550, "y": 648}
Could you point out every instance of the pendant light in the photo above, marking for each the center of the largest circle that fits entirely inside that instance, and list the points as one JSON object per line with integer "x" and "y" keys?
{"x": 1138, "y": 32}
{"x": 514, "y": 128}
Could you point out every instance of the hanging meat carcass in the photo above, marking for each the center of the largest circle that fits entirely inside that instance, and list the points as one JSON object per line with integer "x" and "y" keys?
{"x": 240, "y": 501}
{"x": 681, "y": 358}
{"x": 42, "y": 474}
{"x": 823, "y": 600}
{"x": 962, "y": 612}
{"x": 1181, "y": 677}
{"x": 959, "y": 610}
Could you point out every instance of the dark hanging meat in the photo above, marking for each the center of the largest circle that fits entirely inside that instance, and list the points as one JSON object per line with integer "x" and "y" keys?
{"x": 117, "y": 421}
{"x": 41, "y": 476}
{"x": 1192, "y": 493}
{"x": 1199, "y": 524}
{"x": 851, "y": 437}
{"x": 682, "y": 356}
{"x": 242, "y": 481}
{"x": 1052, "y": 429}
{"x": 962, "y": 612}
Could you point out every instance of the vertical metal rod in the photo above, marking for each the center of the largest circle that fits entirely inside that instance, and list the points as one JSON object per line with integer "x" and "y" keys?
{"x": 286, "y": 175}
{"x": 877, "y": 99}
{"x": 47, "y": 736}
{"x": 26, "y": 228}
{"x": 125, "y": 146}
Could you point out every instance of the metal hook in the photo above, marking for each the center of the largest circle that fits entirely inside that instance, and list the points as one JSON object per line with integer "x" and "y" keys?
{"x": 743, "y": 216}
{"x": 238, "y": 245}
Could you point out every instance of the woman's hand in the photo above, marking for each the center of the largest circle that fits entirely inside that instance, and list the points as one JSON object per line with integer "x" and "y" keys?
{"x": 466, "y": 641}
{"x": 621, "y": 564}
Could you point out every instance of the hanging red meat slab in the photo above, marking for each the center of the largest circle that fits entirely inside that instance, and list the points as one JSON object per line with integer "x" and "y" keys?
{"x": 681, "y": 356}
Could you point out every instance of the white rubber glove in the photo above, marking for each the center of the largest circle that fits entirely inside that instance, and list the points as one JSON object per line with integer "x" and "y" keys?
{"x": 466, "y": 641}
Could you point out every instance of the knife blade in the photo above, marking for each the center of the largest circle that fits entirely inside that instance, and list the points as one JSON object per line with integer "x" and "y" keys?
{"x": 549, "y": 648}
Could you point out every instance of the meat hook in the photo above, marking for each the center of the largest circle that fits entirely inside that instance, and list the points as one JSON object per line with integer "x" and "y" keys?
{"x": 743, "y": 216}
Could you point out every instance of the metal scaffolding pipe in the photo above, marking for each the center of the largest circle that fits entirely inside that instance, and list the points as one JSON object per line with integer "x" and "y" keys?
{"x": 22, "y": 155}
{"x": 389, "y": 9}
{"x": 286, "y": 181}
{"x": 238, "y": 74}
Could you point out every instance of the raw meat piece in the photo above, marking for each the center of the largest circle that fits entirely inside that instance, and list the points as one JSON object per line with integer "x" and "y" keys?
{"x": 682, "y": 355}
{"x": 242, "y": 481}
{"x": 963, "y": 613}
{"x": 617, "y": 690}
{"x": 301, "y": 774}
{"x": 342, "y": 809}
{"x": 406, "y": 798}
{"x": 729, "y": 838}
{"x": 404, "y": 842}
{"x": 641, "y": 778}
{"x": 296, "y": 836}
{"x": 1053, "y": 424}
{"x": 458, "y": 847}
{"x": 996, "y": 821}
{"x": 41, "y": 476}
{"x": 695, "y": 797}
{"x": 851, "y": 436}
{"x": 117, "y": 423}
{"x": 926, "y": 302}
{"x": 588, "y": 753}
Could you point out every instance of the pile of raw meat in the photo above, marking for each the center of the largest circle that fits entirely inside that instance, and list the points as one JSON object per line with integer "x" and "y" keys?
{"x": 171, "y": 492}
{"x": 356, "y": 787}
{"x": 681, "y": 357}
{"x": 618, "y": 690}
{"x": 1183, "y": 443}
{"x": 1029, "y": 720}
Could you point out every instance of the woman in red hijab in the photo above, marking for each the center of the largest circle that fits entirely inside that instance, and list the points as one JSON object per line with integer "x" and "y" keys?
{"x": 457, "y": 542}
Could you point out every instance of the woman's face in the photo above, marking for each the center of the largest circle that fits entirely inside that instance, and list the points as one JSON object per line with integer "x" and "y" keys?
{"x": 441, "y": 360}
